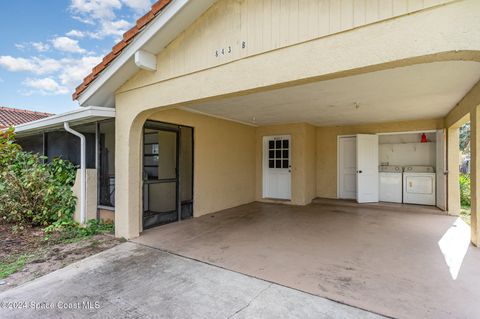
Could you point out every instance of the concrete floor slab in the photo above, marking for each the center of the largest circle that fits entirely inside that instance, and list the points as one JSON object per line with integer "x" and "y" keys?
{"x": 135, "y": 281}
{"x": 396, "y": 261}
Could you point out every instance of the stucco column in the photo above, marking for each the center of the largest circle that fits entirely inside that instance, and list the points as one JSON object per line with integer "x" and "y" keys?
{"x": 127, "y": 175}
{"x": 475, "y": 173}
{"x": 453, "y": 158}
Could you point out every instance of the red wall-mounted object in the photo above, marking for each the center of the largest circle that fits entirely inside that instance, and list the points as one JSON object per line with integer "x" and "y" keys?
{"x": 424, "y": 138}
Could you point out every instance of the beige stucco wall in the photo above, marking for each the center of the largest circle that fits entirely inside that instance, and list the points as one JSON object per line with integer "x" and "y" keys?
{"x": 327, "y": 147}
{"x": 234, "y": 29}
{"x": 453, "y": 177}
{"x": 468, "y": 109}
{"x": 460, "y": 113}
{"x": 224, "y": 160}
{"x": 446, "y": 32}
{"x": 475, "y": 173}
{"x": 310, "y": 159}
{"x": 302, "y": 160}
{"x": 91, "y": 195}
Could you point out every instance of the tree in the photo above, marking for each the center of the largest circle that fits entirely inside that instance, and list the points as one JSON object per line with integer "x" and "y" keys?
{"x": 465, "y": 137}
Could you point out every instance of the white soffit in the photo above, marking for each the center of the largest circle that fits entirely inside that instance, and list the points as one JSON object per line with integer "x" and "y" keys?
{"x": 420, "y": 91}
{"x": 76, "y": 117}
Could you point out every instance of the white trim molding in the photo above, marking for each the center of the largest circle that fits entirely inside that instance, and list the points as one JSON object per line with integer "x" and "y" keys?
{"x": 79, "y": 116}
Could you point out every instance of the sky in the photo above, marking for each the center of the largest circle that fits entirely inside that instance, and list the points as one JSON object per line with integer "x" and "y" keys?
{"x": 49, "y": 46}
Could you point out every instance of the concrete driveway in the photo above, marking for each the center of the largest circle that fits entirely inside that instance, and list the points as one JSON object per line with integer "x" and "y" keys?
{"x": 403, "y": 261}
{"x": 134, "y": 281}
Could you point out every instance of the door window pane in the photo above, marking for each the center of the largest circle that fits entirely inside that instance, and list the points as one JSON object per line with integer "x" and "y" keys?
{"x": 167, "y": 166}
{"x": 150, "y": 161}
{"x": 162, "y": 197}
{"x": 278, "y": 153}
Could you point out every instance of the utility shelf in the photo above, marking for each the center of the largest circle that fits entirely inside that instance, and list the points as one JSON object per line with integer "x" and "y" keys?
{"x": 407, "y": 143}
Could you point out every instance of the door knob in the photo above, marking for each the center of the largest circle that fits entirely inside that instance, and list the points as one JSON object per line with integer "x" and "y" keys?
{"x": 359, "y": 172}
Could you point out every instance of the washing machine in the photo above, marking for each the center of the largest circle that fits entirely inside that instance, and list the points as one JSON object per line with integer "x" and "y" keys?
{"x": 390, "y": 184}
{"x": 419, "y": 185}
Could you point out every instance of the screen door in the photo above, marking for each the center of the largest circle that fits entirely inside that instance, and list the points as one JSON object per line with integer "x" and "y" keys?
{"x": 167, "y": 173}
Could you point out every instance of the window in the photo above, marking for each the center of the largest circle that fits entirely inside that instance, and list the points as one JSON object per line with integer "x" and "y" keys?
{"x": 278, "y": 153}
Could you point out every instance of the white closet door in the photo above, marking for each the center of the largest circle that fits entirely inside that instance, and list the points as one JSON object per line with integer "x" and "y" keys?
{"x": 367, "y": 168}
{"x": 347, "y": 180}
{"x": 441, "y": 170}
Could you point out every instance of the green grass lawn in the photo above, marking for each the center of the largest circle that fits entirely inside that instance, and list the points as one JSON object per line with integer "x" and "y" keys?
{"x": 30, "y": 250}
{"x": 13, "y": 265}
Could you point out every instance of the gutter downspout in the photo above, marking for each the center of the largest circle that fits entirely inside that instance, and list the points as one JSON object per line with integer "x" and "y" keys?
{"x": 83, "y": 184}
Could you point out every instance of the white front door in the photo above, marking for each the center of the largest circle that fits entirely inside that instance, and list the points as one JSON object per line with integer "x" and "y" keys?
{"x": 347, "y": 163}
{"x": 277, "y": 176}
{"x": 367, "y": 168}
{"x": 441, "y": 169}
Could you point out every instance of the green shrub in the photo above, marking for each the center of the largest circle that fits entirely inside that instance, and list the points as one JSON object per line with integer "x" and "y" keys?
{"x": 33, "y": 192}
{"x": 62, "y": 230}
{"x": 465, "y": 190}
{"x": 8, "y": 148}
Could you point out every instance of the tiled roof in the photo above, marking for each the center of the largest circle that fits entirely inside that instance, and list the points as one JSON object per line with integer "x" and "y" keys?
{"x": 118, "y": 48}
{"x": 10, "y": 116}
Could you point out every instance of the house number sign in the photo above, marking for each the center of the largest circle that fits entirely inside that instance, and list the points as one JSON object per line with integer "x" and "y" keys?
{"x": 228, "y": 50}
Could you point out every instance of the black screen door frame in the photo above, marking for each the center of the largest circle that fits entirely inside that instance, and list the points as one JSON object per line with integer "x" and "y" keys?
{"x": 159, "y": 127}
{"x": 177, "y": 130}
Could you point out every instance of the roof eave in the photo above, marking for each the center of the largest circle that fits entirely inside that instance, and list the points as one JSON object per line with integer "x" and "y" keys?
{"x": 179, "y": 14}
{"x": 79, "y": 116}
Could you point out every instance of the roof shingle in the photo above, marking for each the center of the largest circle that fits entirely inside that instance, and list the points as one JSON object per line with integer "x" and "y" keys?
{"x": 11, "y": 116}
{"x": 118, "y": 48}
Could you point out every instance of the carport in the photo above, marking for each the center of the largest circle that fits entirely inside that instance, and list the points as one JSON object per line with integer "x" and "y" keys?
{"x": 266, "y": 105}
{"x": 264, "y": 98}
{"x": 282, "y": 145}
{"x": 397, "y": 260}
{"x": 406, "y": 261}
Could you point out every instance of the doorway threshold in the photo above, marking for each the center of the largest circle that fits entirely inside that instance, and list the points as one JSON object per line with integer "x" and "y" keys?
{"x": 276, "y": 201}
